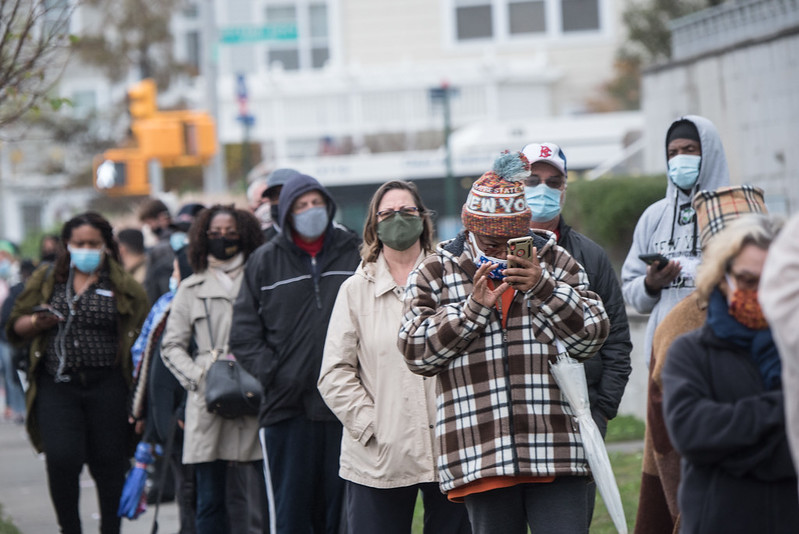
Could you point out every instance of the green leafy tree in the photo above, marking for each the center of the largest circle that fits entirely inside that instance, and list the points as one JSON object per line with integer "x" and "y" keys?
{"x": 648, "y": 42}
{"x": 34, "y": 49}
{"x": 134, "y": 34}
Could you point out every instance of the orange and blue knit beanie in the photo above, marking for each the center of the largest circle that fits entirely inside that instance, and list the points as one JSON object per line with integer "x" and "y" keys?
{"x": 496, "y": 205}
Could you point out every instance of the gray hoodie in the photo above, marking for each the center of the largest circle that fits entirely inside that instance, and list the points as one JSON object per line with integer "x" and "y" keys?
{"x": 669, "y": 227}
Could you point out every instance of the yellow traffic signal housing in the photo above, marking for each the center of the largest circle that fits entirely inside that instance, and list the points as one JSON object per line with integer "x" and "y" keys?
{"x": 121, "y": 172}
{"x": 200, "y": 132}
{"x": 142, "y": 103}
{"x": 160, "y": 137}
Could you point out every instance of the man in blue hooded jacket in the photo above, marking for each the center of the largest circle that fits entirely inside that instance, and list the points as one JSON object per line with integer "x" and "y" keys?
{"x": 279, "y": 327}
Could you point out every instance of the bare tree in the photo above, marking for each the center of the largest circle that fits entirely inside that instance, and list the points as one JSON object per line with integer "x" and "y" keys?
{"x": 34, "y": 49}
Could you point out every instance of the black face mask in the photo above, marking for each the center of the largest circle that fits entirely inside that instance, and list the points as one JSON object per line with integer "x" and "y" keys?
{"x": 223, "y": 248}
{"x": 49, "y": 257}
{"x": 275, "y": 211}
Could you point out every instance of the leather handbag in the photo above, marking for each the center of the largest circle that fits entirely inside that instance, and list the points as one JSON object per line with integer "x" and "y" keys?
{"x": 230, "y": 391}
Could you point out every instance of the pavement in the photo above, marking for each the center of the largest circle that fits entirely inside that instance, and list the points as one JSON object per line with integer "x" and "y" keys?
{"x": 26, "y": 500}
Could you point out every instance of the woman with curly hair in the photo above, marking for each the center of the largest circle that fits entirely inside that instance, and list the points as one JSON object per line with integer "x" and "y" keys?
{"x": 723, "y": 400}
{"x": 81, "y": 317}
{"x": 220, "y": 241}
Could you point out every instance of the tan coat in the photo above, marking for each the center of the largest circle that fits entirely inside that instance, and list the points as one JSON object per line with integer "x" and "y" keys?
{"x": 208, "y": 437}
{"x": 388, "y": 413}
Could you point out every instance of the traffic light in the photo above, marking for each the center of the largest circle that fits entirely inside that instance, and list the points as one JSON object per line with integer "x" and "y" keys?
{"x": 142, "y": 102}
{"x": 200, "y": 134}
{"x": 120, "y": 172}
{"x": 159, "y": 137}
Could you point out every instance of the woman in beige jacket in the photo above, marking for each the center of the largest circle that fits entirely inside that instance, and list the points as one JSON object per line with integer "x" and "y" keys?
{"x": 388, "y": 447}
{"x": 220, "y": 240}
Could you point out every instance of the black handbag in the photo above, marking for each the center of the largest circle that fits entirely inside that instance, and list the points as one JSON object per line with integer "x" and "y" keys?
{"x": 230, "y": 391}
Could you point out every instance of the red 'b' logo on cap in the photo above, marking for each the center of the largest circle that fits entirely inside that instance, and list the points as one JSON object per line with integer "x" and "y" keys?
{"x": 545, "y": 152}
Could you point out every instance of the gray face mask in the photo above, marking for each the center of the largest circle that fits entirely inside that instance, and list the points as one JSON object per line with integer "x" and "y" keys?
{"x": 312, "y": 222}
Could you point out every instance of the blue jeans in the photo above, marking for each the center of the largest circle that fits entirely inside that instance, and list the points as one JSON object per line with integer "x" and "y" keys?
{"x": 558, "y": 507}
{"x": 210, "y": 479}
{"x": 15, "y": 397}
{"x": 303, "y": 460}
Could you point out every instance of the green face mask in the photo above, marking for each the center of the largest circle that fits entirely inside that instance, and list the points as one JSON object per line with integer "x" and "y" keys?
{"x": 400, "y": 231}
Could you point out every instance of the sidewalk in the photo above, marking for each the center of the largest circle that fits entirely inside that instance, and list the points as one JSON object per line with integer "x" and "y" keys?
{"x": 26, "y": 500}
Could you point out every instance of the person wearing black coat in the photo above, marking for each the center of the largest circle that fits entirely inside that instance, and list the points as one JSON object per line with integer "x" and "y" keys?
{"x": 278, "y": 333}
{"x": 723, "y": 401}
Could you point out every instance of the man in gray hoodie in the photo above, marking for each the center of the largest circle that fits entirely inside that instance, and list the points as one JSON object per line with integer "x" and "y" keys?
{"x": 695, "y": 160}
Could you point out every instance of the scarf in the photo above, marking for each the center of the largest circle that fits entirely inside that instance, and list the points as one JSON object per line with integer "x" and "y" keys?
{"x": 760, "y": 343}
{"x": 226, "y": 271}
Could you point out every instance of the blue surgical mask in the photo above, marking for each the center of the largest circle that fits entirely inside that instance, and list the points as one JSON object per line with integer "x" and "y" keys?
{"x": 178, "y": 240}
{"x": 312, "y": 222}
{"x": 684, "y": 170}
{"x": 173, "y": 285}
{"x": 86, "y": 260}
{"x": 544, "y": 202}
{"x": 5, "y": 268}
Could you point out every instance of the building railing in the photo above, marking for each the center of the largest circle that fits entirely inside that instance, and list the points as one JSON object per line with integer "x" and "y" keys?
{"x": 731, "y": 23}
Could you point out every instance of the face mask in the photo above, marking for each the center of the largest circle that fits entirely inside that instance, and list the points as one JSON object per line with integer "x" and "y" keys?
{"x": 5, "y": 268}
{"x": 223, "y": 248}
{"x": 481, "y": 258}
{"x": 312, "y": 222}
{"x": 684, "y": 170}
{"x": 544, "y": 202}
{"x": 178, "y": 240}
{"x": 157, "y": 231}
{"x": 86, "y": 260}
{"x": 49, "y": 257}
{"x": 264, "y": 215}
{"x": 173, "y": 285}
{"x": 745, "y": 308}
{"x": 400, "y": 231}
{"x": 274, "y": 211}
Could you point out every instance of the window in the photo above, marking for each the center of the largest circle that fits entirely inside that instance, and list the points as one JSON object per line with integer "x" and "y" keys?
{"x": 505, "y": 20}
{"x": 311, "y": 49}
{"x": 527, "y": 17}
{"x": 580, "y": 15}
{"x": 193, "y": 49}
{"x": 83, "y": 103}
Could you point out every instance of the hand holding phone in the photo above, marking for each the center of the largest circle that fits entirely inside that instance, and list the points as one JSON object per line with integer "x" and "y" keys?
{"x": 48, "y": 310}
{"x": 650, "y": 259}
{"x": 520, "y": 247}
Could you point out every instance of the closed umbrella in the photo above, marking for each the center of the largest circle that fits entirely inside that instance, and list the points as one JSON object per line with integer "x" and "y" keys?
{"x": 570, "y": 376}
{"x": 134, "y": 499}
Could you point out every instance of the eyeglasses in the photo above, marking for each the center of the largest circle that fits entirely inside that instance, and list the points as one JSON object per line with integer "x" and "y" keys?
{"x": 405, "y": 210}
{"x": 553, "y": 182}
{"x": 214, "y": 234}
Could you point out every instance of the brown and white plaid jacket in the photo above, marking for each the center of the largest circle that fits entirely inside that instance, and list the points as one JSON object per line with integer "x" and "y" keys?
{"x": 499, "y": 410}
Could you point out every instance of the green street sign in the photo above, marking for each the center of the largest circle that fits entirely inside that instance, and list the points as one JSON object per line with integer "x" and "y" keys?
{"x": 286, "y": 31}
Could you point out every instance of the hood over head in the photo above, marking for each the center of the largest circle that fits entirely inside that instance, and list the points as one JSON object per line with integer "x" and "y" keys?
{"x": 293, "y": 189}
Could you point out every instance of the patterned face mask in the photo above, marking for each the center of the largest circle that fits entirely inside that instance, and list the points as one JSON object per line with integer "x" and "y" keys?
{"x": 480, "y": 259}
{"x": 745, "y": 308}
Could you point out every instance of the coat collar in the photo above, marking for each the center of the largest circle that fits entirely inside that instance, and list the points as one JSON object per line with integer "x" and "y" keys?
{"x": 209, "y": 286}
{"x": 379, "y": 273}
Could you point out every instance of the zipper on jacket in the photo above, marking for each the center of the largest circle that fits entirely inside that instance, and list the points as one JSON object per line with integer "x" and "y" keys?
{"x": 506, "y": 368}
{"x": 315, "y": 277}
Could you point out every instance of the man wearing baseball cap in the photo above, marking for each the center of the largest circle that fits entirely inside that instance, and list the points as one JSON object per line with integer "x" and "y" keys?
{"x": 509, "y": 448}
{"x": 607, "y": 372}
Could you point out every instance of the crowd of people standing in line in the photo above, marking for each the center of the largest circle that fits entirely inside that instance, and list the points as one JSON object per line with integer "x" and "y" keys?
{"x": 391, "y": 365}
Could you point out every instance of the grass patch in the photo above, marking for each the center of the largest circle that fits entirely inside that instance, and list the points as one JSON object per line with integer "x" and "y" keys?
{"x": 6, "y": 525}
{"x": 625, "y": 428}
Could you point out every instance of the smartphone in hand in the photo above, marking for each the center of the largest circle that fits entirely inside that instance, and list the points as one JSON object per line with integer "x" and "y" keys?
{"x": 47, "y": 309}
{"x": 520, "y": 247}
{"x": 649, "y": 259}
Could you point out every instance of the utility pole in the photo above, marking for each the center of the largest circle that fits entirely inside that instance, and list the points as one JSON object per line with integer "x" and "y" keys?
{"x": 443, "y": 95}
{"x": 214, "y": 178}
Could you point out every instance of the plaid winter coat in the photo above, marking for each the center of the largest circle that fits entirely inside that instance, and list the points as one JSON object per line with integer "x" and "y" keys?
{"x": 499, "y": 410}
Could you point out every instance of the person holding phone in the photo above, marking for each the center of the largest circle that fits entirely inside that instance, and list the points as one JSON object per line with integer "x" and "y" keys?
{"x": 81, "y": 316}
{"x": 509, "y": 448}
{"x": 695, "y": 160}
{"x": 387, "y": 449}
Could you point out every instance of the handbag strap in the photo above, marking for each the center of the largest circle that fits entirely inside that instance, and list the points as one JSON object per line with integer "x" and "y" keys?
{"x": 214, "y": 352}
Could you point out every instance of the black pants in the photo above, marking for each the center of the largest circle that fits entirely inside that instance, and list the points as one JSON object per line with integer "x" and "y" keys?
{"x": 84, "y": 421}
{"x": 390, "y": 511}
